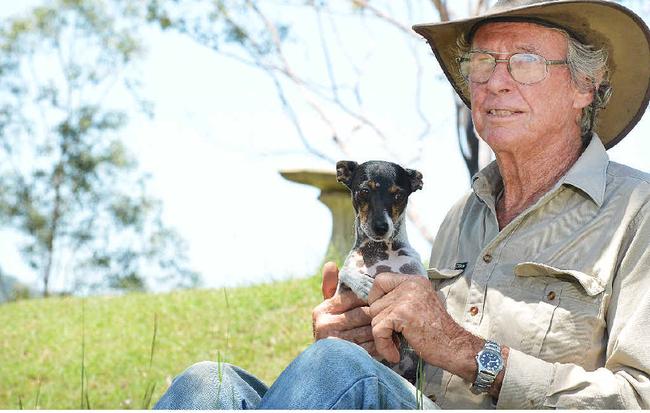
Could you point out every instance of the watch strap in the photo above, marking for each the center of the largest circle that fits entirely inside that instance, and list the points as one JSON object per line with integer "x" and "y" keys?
{"x": 485, "y": 378}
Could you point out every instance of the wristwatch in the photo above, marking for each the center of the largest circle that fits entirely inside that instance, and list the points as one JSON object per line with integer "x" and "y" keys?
{"x": 490, "y": 363}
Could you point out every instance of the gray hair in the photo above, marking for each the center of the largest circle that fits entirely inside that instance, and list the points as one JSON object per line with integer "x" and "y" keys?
{"x": 589, "y": 71}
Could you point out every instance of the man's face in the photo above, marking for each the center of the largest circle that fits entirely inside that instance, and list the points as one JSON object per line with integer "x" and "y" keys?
{"x": 510, "y": 116}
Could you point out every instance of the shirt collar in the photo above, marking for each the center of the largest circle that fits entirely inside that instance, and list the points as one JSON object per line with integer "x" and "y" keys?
{"x": 588, "y": 173}
{"x": 487, "y": 183}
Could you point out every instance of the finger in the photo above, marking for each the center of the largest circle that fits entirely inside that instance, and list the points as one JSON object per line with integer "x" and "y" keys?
{"x": 357, "y": 335}
{"x": 380, "y": 305}
{"x": 383, "y": 334}
{"x": 343, "y": 302}
{"x": 358, "y": 317}
{"x": 369, "y": 346}
{"x": 334, "y": 325}
{"x": 330, "y": 279}
{"x": 384, "y": 283}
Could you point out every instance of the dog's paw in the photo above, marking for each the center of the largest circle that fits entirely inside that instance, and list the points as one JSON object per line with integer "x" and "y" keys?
{"x": 359, "y": 283}
{"x": 362, "y": 285}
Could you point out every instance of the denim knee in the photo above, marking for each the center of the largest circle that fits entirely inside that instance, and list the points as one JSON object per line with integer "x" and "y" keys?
{"x": 201, "y": 371}
{"x": 329, "y": 352}
{"x": 211, "y": 385}
{"x": 334, "y": 373}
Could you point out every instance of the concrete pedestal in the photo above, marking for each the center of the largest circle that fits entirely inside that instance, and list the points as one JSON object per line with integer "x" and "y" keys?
{"x": 337, "y": 199}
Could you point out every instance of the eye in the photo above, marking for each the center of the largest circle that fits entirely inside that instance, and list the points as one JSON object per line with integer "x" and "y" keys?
{"x": 363, "y": 193}
{"x": 398, "y": 196}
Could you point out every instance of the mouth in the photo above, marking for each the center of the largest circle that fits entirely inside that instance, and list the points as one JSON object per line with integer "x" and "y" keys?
{"x": 380, "y": 239}
{"x": 503, "y": 113}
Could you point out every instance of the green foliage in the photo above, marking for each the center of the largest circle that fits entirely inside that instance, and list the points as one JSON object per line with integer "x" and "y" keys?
{"x": 68, "y": 183}
{"x": 11, "y": 289}
{"x": 260, "y": 328}
{"x": 219, "y": 22}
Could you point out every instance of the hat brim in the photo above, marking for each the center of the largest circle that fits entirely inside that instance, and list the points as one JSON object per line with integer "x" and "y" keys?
{"x": 600, "y": 23}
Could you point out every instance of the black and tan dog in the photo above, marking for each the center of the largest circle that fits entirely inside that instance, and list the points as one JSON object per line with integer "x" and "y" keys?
{"x": 380, "y": 192}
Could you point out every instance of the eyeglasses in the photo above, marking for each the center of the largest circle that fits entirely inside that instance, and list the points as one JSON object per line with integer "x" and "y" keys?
{"x": 525, "y": 68}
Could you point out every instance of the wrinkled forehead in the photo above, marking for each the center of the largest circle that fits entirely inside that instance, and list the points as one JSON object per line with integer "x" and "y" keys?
{"x": 519, "y": 36}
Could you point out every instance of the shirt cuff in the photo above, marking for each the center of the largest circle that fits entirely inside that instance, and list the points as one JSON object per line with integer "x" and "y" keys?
{"x": 526, "y": 382}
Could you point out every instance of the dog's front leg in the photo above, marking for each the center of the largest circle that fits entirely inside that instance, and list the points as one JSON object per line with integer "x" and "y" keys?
{"x": 358, "y": 282}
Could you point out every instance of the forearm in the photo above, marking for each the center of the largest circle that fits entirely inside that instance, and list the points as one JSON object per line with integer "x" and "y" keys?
{"x": 464, "y": 363}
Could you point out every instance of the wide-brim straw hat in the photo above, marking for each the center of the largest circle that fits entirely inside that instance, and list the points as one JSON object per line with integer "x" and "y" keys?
{"x": 603, "y": 24}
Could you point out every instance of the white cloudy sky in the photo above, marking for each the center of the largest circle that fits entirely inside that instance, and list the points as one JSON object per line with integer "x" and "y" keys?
{"x": 219, "y": 138}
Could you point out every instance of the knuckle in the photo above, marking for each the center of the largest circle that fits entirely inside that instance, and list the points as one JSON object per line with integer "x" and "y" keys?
{"x": 323, "y": 332}
{"x": 320, "y": 308}
{"x": 321, "y": 327}
{"x": 320, "y": 334}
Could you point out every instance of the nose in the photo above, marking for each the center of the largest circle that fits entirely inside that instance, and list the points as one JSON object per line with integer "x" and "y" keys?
{"x": 501, "y": 80}
{"x": 380, "y": 227}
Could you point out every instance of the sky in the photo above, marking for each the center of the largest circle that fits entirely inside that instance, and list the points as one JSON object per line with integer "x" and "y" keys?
{"x": 219, "y": 138}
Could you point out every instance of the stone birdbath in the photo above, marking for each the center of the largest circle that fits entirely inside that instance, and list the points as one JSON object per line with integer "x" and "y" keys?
{"x": 337, "y": 199}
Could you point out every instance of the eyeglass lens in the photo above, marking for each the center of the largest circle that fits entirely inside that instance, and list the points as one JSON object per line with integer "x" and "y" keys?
{"x": 526, "y": 68}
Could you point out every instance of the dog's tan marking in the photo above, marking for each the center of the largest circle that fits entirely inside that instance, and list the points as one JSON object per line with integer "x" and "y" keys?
{"x": 374, "y": 185}
{"x": 363, "y": 212}
{"x": 395, "y": 212}
{"x": 394, "y": 189}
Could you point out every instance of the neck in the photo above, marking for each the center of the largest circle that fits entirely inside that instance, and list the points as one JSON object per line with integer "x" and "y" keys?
{"x": 529, "y": 175}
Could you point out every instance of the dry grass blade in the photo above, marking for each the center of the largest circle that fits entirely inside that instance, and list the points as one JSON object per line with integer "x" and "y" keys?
{"x": 151, "y": 385}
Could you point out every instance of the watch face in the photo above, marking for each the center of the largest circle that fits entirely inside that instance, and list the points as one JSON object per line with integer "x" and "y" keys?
{"x": 490, "y": 360}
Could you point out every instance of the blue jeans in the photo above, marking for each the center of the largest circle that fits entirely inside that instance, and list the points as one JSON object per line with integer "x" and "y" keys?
{"x": 330, "y": 374}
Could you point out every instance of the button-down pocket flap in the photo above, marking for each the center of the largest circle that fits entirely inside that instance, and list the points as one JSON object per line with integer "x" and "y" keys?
{"x": 436, "y": 274}
{"x": 592, "y": 285}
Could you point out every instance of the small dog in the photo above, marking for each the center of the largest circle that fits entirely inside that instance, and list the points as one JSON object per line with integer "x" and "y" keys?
{"x": 380, "y": 192}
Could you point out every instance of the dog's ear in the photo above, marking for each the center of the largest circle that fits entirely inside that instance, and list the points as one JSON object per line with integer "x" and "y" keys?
{"x": 416, "y": 179}
{"x": 344, "y": 172}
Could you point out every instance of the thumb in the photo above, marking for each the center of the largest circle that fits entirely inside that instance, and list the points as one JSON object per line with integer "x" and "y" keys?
{"x": 330, "y": 279}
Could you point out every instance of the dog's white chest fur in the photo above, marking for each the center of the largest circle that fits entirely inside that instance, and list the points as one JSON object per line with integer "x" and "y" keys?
{"x": 401, "y": 261}
{"x": 364, "y": 263}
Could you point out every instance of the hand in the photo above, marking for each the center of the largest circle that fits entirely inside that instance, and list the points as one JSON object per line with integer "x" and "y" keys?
{"x": 409, "y": 305}
{"x": 344, "y": 315}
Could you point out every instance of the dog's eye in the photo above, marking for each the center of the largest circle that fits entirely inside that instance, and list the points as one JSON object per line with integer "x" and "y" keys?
{"x": 398, "y": 196}
{"x": 363, "y": 193}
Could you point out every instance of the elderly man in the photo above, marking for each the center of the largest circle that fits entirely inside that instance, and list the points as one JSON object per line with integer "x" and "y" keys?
{"x": 539, "y": 290}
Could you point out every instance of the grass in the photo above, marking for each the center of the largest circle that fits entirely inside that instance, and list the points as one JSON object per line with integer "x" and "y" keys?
{"x": 122, "y": 352}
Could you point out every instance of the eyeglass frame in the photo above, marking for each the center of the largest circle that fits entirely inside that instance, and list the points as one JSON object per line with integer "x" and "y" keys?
{"x": 547, "y": 62}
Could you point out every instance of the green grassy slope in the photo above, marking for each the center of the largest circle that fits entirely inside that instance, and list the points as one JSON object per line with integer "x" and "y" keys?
{"x": 260, "y": 328}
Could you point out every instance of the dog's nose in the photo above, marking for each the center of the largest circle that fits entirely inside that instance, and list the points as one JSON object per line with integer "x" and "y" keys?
{"x": 380, "y": 228}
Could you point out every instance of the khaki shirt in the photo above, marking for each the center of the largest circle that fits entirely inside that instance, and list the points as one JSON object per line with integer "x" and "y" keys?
{"x": 565, "y": 285}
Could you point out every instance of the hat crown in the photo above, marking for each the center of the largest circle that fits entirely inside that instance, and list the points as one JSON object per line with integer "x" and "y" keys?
{"x": 503, "y": 5}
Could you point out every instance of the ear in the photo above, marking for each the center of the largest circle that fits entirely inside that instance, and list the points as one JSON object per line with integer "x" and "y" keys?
{"x": 582, "y": 99}
{"x": 416, "y": 179}
{"x": 344, "y": 172}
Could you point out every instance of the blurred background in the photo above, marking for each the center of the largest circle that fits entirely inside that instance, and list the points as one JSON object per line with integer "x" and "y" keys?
{"x": 142, "y": 141}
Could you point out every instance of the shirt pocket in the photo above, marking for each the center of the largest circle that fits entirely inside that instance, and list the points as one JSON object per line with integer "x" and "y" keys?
{"x": 568, "y": 322}
{"x": 442, "y": 280}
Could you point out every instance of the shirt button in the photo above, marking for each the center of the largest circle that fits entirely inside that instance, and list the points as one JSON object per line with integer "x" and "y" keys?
{"x": 551, "y": 296}
{"x": 474, "y": 310}
{"x": 487, "y": 258}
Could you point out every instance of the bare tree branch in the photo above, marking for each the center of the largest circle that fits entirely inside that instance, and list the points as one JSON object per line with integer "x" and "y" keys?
{"x": 441, "y": 7}
{"x": 326, "y": 54}
{"x": 364, "y": 4}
